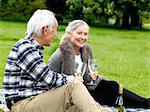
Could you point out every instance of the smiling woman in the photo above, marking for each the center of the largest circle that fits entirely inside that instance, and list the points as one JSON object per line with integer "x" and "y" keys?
{"x": 73, "y": 51}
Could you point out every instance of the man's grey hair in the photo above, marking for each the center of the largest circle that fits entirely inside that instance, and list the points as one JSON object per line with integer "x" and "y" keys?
{"x": 40, "y": 19}
{"x": 75, "y": 24}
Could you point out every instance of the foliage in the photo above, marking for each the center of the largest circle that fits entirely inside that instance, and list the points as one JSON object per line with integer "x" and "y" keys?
{"x": 19, "y": 9}
{"x": 122, "y": 5}
{"x": 58, "y": 7}
{"x": 88, "y": 10}
{"x": 93, "y": 10}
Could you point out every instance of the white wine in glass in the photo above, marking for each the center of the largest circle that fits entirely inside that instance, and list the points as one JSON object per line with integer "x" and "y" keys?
{"x": 92, "y": 66}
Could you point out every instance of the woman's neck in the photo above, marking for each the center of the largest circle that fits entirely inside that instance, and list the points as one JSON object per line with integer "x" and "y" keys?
{"x": 77, "y": 51}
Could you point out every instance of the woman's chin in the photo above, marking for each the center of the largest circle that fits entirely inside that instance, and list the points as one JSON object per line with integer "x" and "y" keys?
{"x": 82, "y": 46}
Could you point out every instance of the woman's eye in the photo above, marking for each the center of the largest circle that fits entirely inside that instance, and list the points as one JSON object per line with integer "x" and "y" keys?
{"x": 85, "y": 34}
{"x": 79, "y": 33}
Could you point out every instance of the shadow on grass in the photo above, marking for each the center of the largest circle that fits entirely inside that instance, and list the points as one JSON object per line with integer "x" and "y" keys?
{"x": 121, "y": 28}
{"x": 9, "y": 39}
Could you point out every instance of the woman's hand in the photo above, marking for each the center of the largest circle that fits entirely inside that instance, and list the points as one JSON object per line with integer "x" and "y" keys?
{"x": 94, "y": 75}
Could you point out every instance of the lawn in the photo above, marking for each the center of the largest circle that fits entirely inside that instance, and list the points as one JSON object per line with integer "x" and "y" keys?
{"x": 123, "y": 55}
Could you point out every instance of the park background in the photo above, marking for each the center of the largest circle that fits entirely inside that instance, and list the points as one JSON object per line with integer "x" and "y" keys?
{"x": 119, "y": 34}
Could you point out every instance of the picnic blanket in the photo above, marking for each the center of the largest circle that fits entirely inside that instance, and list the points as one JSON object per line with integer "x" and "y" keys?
{"x": 137, "y": 110}
{"x": 129, "y": 109}
{"x": 113, "y": 109}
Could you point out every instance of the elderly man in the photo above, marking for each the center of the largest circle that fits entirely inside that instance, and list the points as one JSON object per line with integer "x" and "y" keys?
{"x": 28, "y": 83}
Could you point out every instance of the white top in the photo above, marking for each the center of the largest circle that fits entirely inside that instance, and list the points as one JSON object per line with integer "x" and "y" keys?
{"x": 78, "y": 64}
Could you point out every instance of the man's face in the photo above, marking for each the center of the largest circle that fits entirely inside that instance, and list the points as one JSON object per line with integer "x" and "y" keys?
{"x": 50, "y": 35}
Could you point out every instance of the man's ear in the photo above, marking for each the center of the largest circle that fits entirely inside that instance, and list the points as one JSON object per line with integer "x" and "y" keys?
{"x": 45, "y": 30}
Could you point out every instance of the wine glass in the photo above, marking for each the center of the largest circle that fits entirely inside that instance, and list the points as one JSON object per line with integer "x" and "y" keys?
{"x": 80, "y": 68}
{"x": 92, "y": 66}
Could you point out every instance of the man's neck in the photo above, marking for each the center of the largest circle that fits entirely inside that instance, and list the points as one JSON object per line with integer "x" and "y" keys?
{"x": 38, "y": 39}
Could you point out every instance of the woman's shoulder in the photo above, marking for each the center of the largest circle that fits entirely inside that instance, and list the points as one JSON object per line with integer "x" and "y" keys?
{"x": 55, "y": 57}
{"x": 88, "y": 48}
{"x": 57, "y": 53}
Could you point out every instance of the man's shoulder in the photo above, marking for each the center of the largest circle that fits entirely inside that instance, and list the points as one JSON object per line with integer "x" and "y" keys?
{"x": 23, "y": 43}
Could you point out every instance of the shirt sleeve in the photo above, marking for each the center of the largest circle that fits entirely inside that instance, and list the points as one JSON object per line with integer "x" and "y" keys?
{"x": 31, "y": 62}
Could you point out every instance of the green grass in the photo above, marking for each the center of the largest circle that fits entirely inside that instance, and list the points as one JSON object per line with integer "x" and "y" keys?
{"x": 123, "y": 55}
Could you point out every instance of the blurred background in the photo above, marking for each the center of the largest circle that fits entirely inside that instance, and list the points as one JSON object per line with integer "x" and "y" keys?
{"x": 118, "y": 13}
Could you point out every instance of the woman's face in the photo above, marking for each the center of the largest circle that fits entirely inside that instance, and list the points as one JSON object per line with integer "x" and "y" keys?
{"x": 79, "y": 36}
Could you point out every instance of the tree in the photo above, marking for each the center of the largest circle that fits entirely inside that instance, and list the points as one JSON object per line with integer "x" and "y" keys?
{"x": 128, "y": 13}
{"x": 58, "y": 7}
{"x": 131, "y": 11}
{"x": 88, "y": 10}
{"x": 19, "y": 9}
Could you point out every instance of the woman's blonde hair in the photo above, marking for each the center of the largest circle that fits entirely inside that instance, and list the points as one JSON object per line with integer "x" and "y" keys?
{"x": 75, "y": 24}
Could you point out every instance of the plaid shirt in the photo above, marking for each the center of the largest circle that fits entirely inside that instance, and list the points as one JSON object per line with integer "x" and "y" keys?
{"x": 26, "y": 74}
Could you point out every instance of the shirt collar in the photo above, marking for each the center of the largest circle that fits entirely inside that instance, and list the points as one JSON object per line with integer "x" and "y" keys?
{"x": 35, "y": 43}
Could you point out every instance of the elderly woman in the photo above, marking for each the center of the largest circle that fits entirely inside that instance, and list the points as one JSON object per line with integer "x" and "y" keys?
{"x": 73, "y": 50}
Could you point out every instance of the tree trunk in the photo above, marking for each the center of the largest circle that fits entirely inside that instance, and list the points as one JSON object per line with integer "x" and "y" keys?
{"x": 117, "y": 22}
{"x": 135, "y": 17}
{"x": 125, "y": 20}
{"x": 131, "y": 17}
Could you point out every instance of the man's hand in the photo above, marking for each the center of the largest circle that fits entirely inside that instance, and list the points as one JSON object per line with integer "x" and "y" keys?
{"x": 79, "y": 78}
